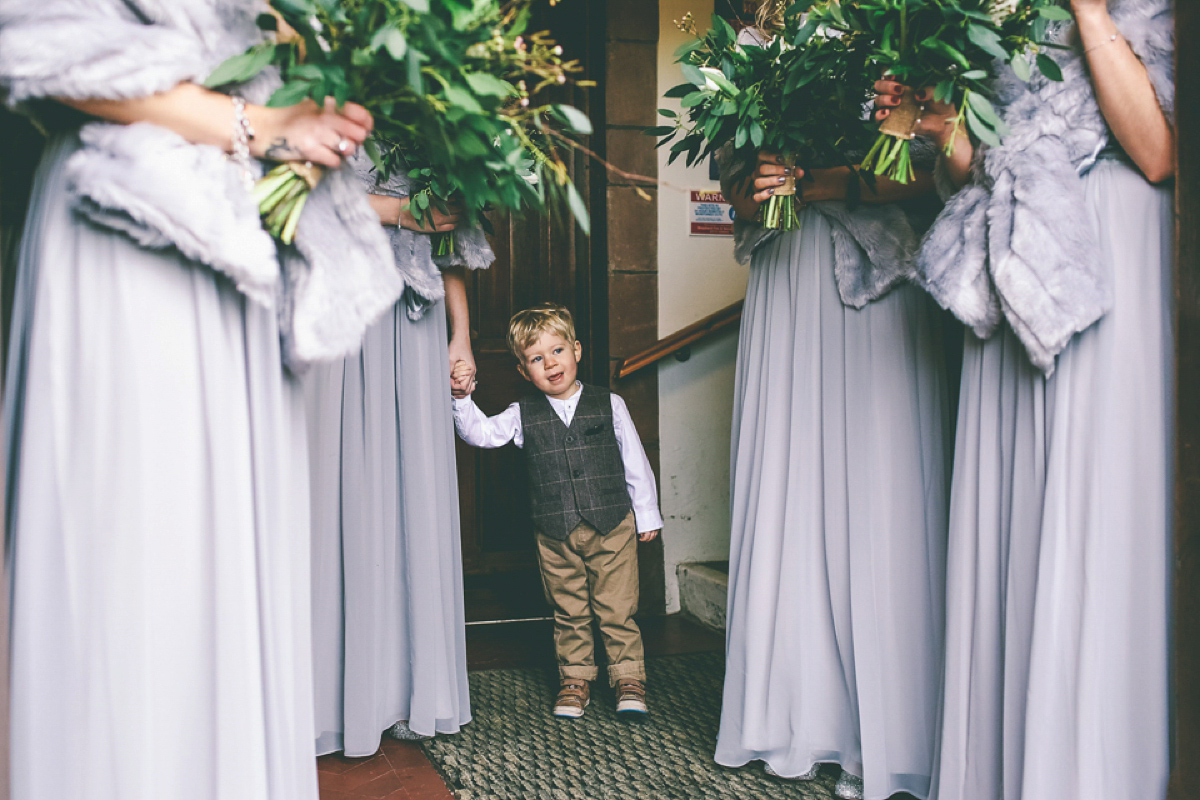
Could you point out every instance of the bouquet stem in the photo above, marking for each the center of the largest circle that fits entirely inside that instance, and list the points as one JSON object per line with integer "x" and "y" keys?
{"x": 781, "y": 212}
{"x": 443, "y": 244}
{"x": 281, "y": 195}
{"x": 890, "y": 156}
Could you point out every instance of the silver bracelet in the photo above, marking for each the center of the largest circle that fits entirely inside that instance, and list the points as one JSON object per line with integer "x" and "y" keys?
{"x": 1107, "y": 41}
{"x": 242, "y": 134}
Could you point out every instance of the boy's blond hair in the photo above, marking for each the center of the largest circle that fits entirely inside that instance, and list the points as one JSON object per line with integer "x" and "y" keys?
{"x": 526, "y": 326}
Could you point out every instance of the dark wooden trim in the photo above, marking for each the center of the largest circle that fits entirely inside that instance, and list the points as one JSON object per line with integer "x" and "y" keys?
{"x": 670, "y": 345}
{"x": 1185, "y": 777}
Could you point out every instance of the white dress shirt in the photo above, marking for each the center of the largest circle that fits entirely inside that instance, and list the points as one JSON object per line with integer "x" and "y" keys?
{"x": 479, "y": 430}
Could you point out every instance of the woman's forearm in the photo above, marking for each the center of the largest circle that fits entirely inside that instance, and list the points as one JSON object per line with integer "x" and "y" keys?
{"x": 457, "y": 309}
{"x": 195, "y": 113}
{"x": 1126, "y": 96}
{"x": 389, "y": 209}
{"x": 834, "y": 184}
{"x": 292, "y": 133}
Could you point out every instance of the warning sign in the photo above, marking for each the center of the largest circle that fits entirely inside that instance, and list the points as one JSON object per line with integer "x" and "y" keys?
{"x": 709, "y": 214}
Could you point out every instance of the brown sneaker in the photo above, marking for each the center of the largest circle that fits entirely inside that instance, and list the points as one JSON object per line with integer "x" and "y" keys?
{"x": 573, "y": 698}
{"x": 631, "y": 697}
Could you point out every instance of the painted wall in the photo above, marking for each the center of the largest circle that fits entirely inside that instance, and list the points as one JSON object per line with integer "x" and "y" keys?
{"x": 696, "y": 277}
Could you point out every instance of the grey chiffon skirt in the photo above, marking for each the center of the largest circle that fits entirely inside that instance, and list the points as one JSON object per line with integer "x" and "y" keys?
{"x": 389, "y": 637}
{"x": 158, "y": 526}
{"x": 1057, "y": 626}
{"x": 839, "y": 492}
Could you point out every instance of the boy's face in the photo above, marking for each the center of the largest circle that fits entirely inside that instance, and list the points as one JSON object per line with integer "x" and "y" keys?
{"x": 550, "y": 364}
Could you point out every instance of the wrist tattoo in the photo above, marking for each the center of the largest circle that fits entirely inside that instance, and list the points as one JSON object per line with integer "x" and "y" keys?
{"x": 282, "y": 150}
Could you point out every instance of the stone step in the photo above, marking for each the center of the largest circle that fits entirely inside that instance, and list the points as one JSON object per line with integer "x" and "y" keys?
{"x": 703, "y": 586}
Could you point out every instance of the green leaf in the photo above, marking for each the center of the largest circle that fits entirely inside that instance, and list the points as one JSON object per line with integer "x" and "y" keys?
{"x": 1021, "y": 67}
{"x": 987, "y": 39}
{"x": 682, "y": 90}
{"x": 694, "y": 76}
{"x": 1054, "y": 13}
{"x": 718, "y": 79}
{"x": 242, "y": 67}
{"x": 666, "y": 112}
{"x": 371, "y": 148}
{"x": 686, "y": 49}
{"x": 981, "y": 131}
{"x": 756, "y": 134}
{"x": 391, "y": 39}
{"x": 578, "y": 209}
{"x": 289, "y": 94}
{"x": 659, "y": 130}
{"x": 456, "y": 95}
{"x": 420, "y": 6}
{"x": 576, "y": 121}
{"x": 1049, "y": 67}
{"x": 489, "y": 85}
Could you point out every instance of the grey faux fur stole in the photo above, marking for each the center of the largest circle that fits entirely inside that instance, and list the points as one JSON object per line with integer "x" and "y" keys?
{"x": 1017, "y": 244}
{"x": 163, "y": 191}
{"x": 414, "y": 252}
{"x": 874, "y": 245}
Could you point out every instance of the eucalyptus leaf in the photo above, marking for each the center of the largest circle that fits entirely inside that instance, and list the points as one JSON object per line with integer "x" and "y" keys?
{"x": 242, "y": 67}
{"x": 1049, "y": 67}
{"x": 1020, "y": 67}
{"x": 579, "y": 209}
{"x": 575, "y": 120}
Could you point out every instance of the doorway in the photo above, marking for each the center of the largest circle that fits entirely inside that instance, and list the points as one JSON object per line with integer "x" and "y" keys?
{"x": 538, "y": 259}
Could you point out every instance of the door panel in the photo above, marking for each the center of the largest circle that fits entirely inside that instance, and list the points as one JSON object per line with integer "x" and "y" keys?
{"x": 537, "y": 260}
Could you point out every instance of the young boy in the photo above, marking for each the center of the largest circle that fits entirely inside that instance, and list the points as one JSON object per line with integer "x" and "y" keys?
{"x": 593, "y": 498}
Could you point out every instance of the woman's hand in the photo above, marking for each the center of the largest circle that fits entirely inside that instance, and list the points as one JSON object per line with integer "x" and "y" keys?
{"x": 462, "y": 360}
{"x": 935, "y": 121}
{"x": 462, "y": 379}
{"x": 462, "y": 368}
{"x": 436, "y": 221}
{"x": 304, "y": 132}
{"x": 768, "y": 176}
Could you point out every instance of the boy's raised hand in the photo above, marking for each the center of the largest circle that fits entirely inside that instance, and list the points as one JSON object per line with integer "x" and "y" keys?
{"x": 462, "y": 379}
{"x": 647, "y": 536}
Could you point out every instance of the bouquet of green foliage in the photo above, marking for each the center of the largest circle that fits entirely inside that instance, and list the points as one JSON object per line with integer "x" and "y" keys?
{"x": 797, "y": 94}
{"x": 951, "y": 45}
{"x": 449, "y": 84}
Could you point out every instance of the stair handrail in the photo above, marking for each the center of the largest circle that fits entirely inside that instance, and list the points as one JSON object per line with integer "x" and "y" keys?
{"x": 670, "y": 345}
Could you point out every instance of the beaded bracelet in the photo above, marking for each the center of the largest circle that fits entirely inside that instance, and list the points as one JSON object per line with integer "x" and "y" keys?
{"x": 1107, "y": 41}
{"x": 242, "y": 134}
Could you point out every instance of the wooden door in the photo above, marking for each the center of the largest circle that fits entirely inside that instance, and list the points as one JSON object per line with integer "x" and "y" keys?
{"x": 537, "y": 260}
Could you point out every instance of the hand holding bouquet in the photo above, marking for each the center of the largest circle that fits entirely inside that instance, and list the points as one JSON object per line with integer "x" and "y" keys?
{"x": 950, "y": 45}
{"x": 792, "y": 94}
{"x": 448, "y": 84}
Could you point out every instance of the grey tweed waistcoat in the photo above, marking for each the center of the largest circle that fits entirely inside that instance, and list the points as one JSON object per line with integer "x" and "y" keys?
{"x": 575, "y": 472}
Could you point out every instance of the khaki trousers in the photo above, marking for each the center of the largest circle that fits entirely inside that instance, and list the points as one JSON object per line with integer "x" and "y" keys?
{"x": 593, "y": 575}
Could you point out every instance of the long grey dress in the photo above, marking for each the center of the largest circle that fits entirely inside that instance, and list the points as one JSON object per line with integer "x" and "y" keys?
{"x": 389, "y": 637}
{"x": 1058, "y": 588}
{"x": 157, "y": 522}
{"x": 839, "y": 474}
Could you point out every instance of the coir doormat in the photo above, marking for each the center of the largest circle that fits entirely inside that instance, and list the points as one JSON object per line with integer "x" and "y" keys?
{"x": 515, "y": 750}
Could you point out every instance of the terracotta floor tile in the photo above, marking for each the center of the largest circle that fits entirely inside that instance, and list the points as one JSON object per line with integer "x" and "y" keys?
{"x": 368, "y": 770}
{"x": 388, "y": 783}
{"x": 424, "y": 784}
{"x": 404, "y": 755}
{"x": 336, "y": 762}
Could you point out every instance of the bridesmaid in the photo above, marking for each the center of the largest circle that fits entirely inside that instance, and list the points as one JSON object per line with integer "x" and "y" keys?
{"x": 389, "y": 637}
{"x": 1058, "y": 595}
{"x": 839, "y": 484}
{"x": 157, "y": 511}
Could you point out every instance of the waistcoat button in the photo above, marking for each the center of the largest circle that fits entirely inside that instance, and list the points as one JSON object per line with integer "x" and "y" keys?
{"x": 577, "y": 473}
{"x": 570, "y": 439}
